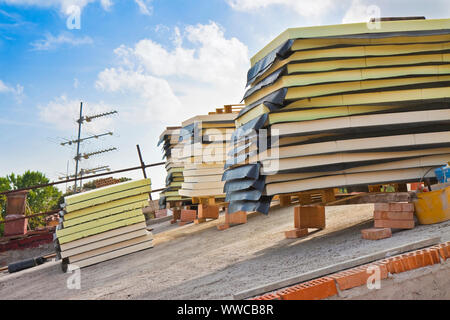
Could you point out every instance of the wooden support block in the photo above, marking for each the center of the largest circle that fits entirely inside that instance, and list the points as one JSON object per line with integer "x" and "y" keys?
{"x": 176, "y": 215}
{"x": 235, "y": 218}
{"x": 296, "y": 233}
{"x": 328, "y": 195}
{"x": 200, "y": 220}
{"x": 309, "y": 217}
{"x": 285, "y": 201}
{"x": 304, "y": 198}
{"x": 222, "y": 227}
{"x": 206, "y": 211}
{"x": 161, "y": 213}
{"x": 375, "y": 188}
{"x": 376, "y": 233}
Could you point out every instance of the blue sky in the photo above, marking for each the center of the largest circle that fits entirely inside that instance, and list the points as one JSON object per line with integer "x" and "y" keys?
{"x": 158, "y": 62}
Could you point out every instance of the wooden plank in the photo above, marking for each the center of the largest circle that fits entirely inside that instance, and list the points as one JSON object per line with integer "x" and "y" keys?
{"x": 103, "y": 243}
{"x": 295, "y": 91}
{"x": 105, "y": 213}
{"x": 108, "y": 198}
{"x": 360, "y": 121}
{"x": 337, "y": 267}
{"x": 343, "y": 30}
{"x": 100, "y": 192}
{"x": 427, "y": 161}
{"x": 107, "y": 227}
{"x": 98, "y": 222}
{"x": 102, "y": 236}
{"x": 312, "y": 161}
{"x": 105, "y": 206}
{"x": 371, "y": 98}
{"x": 112, "y": 247}
{"x": 109, "y": 255}
{"x": 363, "y": 178}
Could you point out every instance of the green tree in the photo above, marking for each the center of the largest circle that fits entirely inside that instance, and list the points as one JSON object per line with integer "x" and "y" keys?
{"x": 39, "y": 200}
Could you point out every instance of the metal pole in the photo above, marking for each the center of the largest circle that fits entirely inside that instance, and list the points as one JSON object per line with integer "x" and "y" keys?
{"x": 143, "y": 166}
{"x": 77, "y": 158}
{"x": 142, "y": 162}
{"x": 67, "y": 173}
{"x": 89, "y": 177}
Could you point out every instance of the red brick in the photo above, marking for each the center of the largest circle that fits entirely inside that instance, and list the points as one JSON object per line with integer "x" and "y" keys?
{"x": 269, "y": 296}
{"x": 408, "y": 206}
{"x": 443, "y": 249}
{"x": 188, "y": 215}
{"x": 15, "y": 227}
{"x": 358, "y": 276}
{"x": 376, "y": 233}
{"x": 394, "y": 224}
{"x": 223, "y": 226}
{"x": 235, "y": 218}
{"x": 161, "y": 213}
{"x": 312, "y": 290}
{"x": 296, "y": 233}
{"x": 395, "y": 206}
{"x": 381, "y": 206}
{"x": 393, "y": 215}
{"x": 309, "y": 217}
{"x": 206, "y": 211}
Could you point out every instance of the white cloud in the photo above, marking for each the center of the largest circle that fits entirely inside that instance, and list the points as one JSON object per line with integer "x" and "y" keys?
{"x": 203, "y": 71}
{"x": 17, "y": 91}
{"x": 144, "y": 6}
{"x": 62, "y": 4}
{"x": 305, "y": 8}
{"x": 62, "y": 113}
{"x": 358, "y": 12}
{"x": 51, "y": 42}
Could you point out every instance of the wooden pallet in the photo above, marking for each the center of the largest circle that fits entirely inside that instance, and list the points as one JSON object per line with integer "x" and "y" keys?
{"x": 209, "y": 201}
{"x": 230, "y": 108}
{"x": 307, "y": 197}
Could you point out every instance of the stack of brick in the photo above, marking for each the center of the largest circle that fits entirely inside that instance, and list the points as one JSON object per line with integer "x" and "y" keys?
{"x": 187, "y": 216}
{"x": 233, "y": 219}
{"x": 331, "y": 285}
{"x": 100, "y": 183}
{"x": 387, "y": 216}
{"x": 306, "y": 217}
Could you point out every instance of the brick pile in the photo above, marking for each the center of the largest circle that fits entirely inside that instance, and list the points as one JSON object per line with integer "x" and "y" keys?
{"x": 387, "y": 216}
{"x": 330, "y": 285}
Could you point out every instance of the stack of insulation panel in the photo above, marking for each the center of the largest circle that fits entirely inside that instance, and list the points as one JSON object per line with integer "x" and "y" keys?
{"x": 103, "y": 224}
{"x": 205, "y": 141}
{"x": 342, "y": 105}
{"x": 174, "y": 165}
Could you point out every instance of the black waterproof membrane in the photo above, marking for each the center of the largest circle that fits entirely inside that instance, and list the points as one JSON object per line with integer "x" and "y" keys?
{"x": 262, "y": 205}
{"x": 245, "y": 184}
{"x": 250, "y": 171}
{"x": 274, "y": 101}
{"x": 249, "y": 195}
{"x": 250, "y": 127}
{"x": 269, "y": 80}
{"x": 281, "y": 52}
